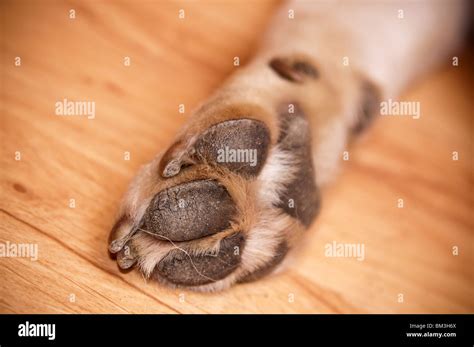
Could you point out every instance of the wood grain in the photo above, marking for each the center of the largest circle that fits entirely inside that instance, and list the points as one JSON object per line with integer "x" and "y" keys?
{"x": 173, "y": 61}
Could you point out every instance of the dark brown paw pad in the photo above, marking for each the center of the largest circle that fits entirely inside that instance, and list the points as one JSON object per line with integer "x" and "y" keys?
{"x": 294, "y": 69}
{"x": 301, "y": 198}
{"x": 189, "y": 211}
{"x": 182, "y": 268}
{"x": 240, "y": 145}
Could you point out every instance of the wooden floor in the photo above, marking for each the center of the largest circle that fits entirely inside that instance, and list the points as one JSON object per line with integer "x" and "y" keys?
{"x": 409, "y": 265}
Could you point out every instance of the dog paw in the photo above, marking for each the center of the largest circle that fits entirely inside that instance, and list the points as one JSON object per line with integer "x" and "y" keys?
{"x": 224, "y": 204}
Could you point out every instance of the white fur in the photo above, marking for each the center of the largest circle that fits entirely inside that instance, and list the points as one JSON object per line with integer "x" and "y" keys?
{"x": 280, "y": 169}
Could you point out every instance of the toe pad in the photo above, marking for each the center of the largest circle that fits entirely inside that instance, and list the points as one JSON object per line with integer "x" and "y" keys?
{"x": 183, "y": 268}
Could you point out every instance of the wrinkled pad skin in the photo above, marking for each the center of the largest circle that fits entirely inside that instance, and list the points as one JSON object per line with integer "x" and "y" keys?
{"x": 182, "y": 268}
{"x": 239, "y": 145}
{"x": 190, "y": 211}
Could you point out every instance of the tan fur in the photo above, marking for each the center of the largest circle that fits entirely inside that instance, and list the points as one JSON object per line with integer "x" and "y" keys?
{"x": 382, "y": 49}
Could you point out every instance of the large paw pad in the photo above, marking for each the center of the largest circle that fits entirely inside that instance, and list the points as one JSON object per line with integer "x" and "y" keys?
{"x": 189, "y": 211}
